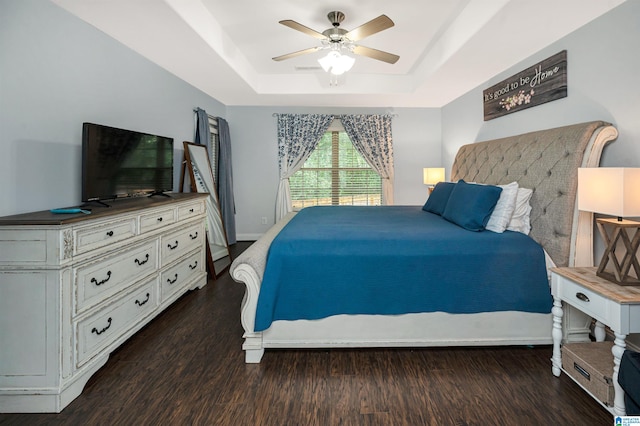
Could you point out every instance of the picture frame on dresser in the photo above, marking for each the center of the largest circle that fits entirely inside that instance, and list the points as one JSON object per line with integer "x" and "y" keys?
{"x": 202, "y": 181}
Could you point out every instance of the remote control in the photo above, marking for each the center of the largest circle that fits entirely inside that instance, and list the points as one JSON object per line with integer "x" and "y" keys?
{"x": 69, "y": 211}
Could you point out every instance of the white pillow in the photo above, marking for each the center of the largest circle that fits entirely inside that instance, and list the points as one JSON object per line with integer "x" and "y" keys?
{"x": 520, "y": 220}
{"x": 503, "y": 211}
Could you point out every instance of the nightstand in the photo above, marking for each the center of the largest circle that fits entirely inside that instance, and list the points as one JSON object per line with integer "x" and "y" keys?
{"x": 610, "y": 304}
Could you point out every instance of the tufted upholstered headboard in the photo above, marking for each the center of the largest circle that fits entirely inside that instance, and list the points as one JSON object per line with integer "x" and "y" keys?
{"x": 547, "y": 162}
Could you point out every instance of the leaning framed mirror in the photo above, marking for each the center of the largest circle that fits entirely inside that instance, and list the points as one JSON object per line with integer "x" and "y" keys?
{"x": 202, "y": 180}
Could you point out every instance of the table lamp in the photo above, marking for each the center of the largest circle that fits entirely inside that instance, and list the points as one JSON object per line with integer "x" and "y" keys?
{"x": 614, "y": 191}
{"x": 432, "y": 175}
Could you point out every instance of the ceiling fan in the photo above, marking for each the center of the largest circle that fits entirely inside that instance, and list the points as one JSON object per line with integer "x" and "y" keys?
{"x": 338, "y": 39}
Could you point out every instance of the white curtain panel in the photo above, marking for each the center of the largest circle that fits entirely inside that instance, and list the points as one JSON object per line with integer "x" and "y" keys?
{"x": 298, "y": 135}
{"x": 371, "y": 136}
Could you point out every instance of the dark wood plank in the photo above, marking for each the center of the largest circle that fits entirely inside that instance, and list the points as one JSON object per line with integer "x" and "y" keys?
{"x": 187, "y": 367}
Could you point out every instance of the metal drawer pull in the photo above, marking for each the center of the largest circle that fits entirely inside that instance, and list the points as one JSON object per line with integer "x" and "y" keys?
{"x": 99, "y": 332}
{"x": 170, "y": 281}
{"x": 139, "y": 303}
{"x": 582, "y": 371}
{"x": 190, "y": 210}
{"x": 194, "y": 266}
{"x": 159, "y": 219}
{"x": 582, "y": 297}
{"x": 193, "y": 237}
{"x": 109, "y": 233}
{"x": 173, "y": 247}
{"x": 142, "y": 262}
{"x": 93, "y": 280}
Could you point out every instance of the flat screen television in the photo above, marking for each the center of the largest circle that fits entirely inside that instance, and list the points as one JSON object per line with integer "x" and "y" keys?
{"x": 123, "y": 163}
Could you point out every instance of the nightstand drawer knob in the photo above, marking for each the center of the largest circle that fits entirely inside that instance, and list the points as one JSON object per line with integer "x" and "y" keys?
{"x": 582, "y": 297}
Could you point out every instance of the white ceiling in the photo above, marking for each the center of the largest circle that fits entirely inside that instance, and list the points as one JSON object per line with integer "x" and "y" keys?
{"x": 446, "y": 47}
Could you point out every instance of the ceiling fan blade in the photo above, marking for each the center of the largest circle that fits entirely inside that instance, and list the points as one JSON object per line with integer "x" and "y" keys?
{"x": 376, "y": 54}
{"x": 376, "y": 25}
{"x": 299, "y": 27}
{"x": 298, "y": 53}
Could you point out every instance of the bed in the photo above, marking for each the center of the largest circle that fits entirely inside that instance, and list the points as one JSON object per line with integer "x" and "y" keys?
{"x": 544, "y": 161}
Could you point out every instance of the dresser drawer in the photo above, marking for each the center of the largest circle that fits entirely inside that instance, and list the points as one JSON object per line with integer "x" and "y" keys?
{"x": 97, "y": 281}
{"x": 176, "y": 277}
{"x": 589, "y": 302}
{"x": 181, "y": 242}
{"x": 103, "y": 234}
{"x": 157, "y": 219}
{"x": 97, "y": 332}
{"x": 190, "y": 210}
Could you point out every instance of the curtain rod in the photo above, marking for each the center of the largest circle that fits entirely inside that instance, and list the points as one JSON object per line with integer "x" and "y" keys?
{"x": 208, "y": 115}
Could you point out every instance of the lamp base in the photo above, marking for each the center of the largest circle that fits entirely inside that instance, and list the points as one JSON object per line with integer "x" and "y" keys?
{"x": 620, "y": 274}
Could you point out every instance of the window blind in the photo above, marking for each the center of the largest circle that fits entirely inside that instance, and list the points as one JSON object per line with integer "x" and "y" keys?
{"x": 335, "y": 174}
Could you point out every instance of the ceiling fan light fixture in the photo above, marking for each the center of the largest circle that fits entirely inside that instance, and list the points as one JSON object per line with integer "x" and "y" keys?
{"x": 336, "y": 63}
{"x": 339, "y": 41}
{"x": 343, "y": 64}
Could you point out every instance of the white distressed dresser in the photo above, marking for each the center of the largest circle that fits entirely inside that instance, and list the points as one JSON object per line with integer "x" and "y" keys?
{"x": 73, "y": 287}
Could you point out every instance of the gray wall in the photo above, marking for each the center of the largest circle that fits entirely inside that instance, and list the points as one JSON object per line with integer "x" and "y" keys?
{"x": 416, "y": 136}
{"x": 603, "y": 64}
{"x": 57, "y": 72}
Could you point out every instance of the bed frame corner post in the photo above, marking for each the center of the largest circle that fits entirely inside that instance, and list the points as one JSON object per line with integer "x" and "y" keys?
{"x": 245, "y": 273}
{"x": 253, "y": 348}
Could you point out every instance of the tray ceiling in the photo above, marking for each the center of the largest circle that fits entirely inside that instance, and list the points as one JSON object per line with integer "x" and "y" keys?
{"x": 446, "y": 48}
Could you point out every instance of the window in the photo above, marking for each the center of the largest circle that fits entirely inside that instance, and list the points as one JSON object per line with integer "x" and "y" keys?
{"x": 335, "y": 174}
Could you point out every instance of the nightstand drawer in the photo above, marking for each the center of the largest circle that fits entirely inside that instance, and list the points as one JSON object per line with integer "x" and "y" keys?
{"x": 589, "y": 302}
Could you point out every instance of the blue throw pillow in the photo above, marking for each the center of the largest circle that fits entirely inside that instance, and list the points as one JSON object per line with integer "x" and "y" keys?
{"x": 438, "y": 198}
{"x": 470, "y": 206}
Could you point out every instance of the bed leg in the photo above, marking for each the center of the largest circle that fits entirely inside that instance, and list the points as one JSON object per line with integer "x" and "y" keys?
{"x": 253, "y": 356}
{"x": 253, "y": 347}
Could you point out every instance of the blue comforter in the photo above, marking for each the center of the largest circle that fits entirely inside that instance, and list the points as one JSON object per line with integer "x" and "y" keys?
{"x": 395, "y": 260}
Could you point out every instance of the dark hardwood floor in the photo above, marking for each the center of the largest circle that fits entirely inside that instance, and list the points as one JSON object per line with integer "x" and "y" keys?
{"x": 187, "y": 368}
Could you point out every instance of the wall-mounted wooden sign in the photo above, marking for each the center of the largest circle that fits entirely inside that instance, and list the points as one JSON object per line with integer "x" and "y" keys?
{"x": 541, "y": 83}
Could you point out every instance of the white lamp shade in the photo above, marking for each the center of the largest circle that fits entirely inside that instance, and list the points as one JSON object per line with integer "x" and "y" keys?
{"x": 433, "y": 175}
{"x": 613, "y": 191}
{"x": 336, "y": 63}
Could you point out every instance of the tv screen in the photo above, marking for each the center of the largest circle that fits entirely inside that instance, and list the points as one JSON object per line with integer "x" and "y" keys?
{"x": 123, "y": 163}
